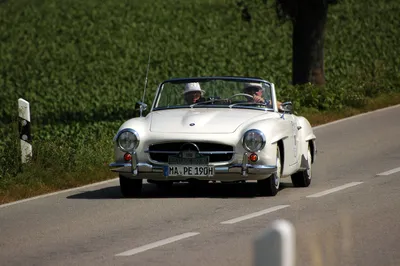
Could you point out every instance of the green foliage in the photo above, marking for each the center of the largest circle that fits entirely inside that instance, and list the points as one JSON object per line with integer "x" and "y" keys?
{"x": 82, "y": 64}
{"x": 10, "y": 161}
{"x": 58, "y": 162}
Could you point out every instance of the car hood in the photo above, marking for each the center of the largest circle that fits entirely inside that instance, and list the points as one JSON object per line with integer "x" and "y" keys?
{"x": 202, "y": 120}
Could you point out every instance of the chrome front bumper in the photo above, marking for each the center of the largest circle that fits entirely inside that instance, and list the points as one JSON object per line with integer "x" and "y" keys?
{"x": 241, "y": 171}
{"x": 233, "y": 168}
{"x": 230, "y": 172}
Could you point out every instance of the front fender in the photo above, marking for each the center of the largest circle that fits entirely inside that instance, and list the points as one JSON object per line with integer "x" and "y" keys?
{"x": 306, "y": 137}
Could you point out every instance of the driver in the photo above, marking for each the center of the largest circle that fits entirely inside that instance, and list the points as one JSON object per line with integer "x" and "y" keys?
{"x": 193, "y": 93}
{"x": 256, "y": 90}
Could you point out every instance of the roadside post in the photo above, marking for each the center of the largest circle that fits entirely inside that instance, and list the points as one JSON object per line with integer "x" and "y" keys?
{"x": 276, "y": 246}
{"x": 25, "y": 129}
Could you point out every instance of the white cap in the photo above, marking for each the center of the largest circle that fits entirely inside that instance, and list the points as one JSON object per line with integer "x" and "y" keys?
{"x": 252, "y": 84}
{"x": 194, "y": 86}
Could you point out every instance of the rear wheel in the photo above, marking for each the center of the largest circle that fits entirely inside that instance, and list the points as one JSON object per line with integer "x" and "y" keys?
{"x": 303, "y": 178}
{"x": 270, "y": 185}
{"x": 130, "y": 187}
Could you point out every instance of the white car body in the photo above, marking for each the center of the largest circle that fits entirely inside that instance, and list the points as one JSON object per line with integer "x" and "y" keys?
{"x": 216, "y": 134}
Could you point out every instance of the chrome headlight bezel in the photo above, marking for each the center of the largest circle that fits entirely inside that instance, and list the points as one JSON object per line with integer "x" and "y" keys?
{"x": 250, "y": 135}
{"x": 128, "y": 132}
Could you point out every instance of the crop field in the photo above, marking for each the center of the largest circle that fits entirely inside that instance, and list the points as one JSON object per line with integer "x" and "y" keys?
{"x": 82, "y": 66}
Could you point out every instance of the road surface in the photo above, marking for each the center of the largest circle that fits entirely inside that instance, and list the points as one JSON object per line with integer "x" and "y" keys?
{"x": 350, "y": 215}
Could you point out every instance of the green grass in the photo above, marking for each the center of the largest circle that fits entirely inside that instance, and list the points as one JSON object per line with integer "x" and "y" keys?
{"x": 82, "y": 65}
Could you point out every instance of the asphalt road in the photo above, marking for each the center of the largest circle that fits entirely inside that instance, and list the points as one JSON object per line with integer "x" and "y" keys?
{"x": 350, "y": 215}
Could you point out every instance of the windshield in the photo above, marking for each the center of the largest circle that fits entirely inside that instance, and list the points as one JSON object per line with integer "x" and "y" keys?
{"x": 214, "y": 93}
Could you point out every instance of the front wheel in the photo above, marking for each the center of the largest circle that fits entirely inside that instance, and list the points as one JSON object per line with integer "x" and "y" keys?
{"x": 303, "y": 178}
{"x": 130, "y": 187}
{"x": 270, "y": 185}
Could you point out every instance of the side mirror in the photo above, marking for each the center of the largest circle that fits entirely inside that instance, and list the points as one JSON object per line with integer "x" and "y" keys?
{"x": 141, "y": 106}
{"x": 287, "y": 107}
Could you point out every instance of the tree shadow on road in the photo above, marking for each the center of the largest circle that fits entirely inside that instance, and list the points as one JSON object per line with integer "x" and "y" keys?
{"x": 182, "y": 190}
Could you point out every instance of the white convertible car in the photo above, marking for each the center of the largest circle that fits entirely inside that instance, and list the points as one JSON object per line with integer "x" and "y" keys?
{"x": 227, "y": 129}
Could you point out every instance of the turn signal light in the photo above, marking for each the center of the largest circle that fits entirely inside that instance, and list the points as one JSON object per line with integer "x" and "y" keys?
{"x": 253, "y": 157}
{"x": 127, "y": 157}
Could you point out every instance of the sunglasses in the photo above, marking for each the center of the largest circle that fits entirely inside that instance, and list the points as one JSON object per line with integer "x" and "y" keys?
{"x": 253, "y": 89}
{"x": 194, "y": 92}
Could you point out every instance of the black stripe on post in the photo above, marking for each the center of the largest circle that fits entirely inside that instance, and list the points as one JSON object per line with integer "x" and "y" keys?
{"x": 25, "y": 130}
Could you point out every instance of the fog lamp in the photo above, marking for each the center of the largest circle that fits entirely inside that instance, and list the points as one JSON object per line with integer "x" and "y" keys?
{"x": 127, "y": 156}
{"x": 253, "y": 157}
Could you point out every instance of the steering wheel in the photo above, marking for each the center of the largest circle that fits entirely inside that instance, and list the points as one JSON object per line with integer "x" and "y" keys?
{"x": 241, "y": 94}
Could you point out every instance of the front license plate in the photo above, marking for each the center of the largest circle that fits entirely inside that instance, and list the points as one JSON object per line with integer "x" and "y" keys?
{"x": 189, "y": 170}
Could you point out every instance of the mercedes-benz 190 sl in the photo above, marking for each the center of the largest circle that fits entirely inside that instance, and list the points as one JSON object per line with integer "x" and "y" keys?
{"x": 221, "y": 129}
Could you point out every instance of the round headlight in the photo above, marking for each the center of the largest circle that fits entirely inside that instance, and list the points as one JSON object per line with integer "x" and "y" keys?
{"x": 253, "y": 140}
{"x": 128, "y": 140}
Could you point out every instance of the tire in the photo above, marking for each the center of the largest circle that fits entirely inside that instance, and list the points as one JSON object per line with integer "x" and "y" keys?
{"x": 303, "y": 178}
{"x": 130, "y": 187}
{"x": 270, "y": 185}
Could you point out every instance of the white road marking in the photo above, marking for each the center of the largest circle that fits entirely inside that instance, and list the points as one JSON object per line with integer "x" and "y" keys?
{"x": 356, "y": 116}
{"x": 63, "y": 191}
{"x": 254, "y": 214}
{"x": 329, "y": 191}
{"x": 58, "y": 192}
{"x": 157, "y": 244}
{"x": 395, "y": 170}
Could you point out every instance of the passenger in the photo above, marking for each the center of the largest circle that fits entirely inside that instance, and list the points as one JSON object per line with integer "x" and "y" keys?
{"x": 257, "y": 91}
{"x": 193, "y": 93}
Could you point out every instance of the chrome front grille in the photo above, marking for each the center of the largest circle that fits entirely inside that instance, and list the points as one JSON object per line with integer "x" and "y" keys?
{"x": 217, "y": 152}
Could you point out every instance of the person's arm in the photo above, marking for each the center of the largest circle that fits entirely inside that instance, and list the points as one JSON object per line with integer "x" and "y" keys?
{"x": 279, "y": 105}
{"x": 258, "y": 99}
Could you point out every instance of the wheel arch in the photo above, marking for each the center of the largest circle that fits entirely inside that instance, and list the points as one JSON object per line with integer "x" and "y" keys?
{"x": 313, "y": 149}
{"x": 282, "y": 153}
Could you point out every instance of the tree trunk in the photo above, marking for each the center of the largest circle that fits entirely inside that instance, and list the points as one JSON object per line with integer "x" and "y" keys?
{"x": 308, "y": 42}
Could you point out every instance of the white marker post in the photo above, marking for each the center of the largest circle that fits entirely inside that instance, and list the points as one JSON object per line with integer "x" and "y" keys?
{"x": 276, "y": 246}
{"x": 25, "y": 130}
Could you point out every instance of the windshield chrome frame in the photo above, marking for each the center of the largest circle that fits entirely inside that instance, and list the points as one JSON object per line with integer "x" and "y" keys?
{"x": 227, "y": 78}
